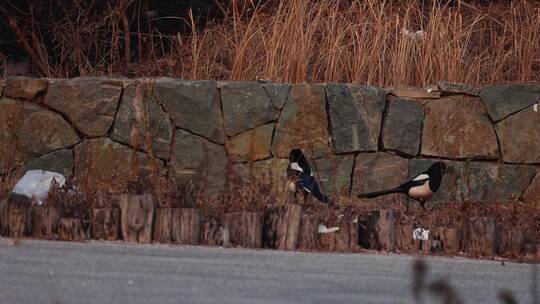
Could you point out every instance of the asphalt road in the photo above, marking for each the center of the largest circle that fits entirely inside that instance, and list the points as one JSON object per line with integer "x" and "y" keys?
{"x": 60, "y": 272}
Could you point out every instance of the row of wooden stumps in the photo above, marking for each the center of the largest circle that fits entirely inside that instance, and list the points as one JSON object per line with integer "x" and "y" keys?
{"x": 284, "y": 227}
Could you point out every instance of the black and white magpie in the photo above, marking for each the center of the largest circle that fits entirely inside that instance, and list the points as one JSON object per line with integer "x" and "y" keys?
{"x": 420, "y": 188}
{"x": 299, "y": 175}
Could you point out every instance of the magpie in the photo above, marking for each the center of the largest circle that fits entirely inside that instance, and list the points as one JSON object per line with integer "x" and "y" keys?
{"x": 299, "y": 175}
{"x": 421, "y": 188}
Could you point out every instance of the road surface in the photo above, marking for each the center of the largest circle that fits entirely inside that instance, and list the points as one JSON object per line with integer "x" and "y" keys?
{"x": 96, "y": 272}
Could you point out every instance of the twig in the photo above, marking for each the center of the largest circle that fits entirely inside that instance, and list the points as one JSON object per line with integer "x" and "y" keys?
{"x": 222, "y": 9}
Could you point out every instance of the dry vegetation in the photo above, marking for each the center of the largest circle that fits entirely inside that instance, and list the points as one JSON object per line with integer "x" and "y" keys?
{"x": 294, "y": 41}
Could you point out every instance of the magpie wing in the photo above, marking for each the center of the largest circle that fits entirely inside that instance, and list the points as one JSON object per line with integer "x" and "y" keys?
{"x": 310, "y": 185}
{"x": 417, "y": 181}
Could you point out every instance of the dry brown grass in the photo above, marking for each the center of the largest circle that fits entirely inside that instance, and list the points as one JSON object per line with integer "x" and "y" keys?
{"x": 314, "y": 41}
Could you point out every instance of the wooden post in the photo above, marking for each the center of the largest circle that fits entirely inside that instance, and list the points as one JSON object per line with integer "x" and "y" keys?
{"x": 186, "y": 226}
{"x": 233, "y": 221}
{"x": 18, "y": 218}
{"x": 282, "y": 226}
{"x": 532, "y": 252}
{"x": 245, "y": 228}
{"x": 209, "y": 233}
{"x": 163, "y": 225}
{"x": 404, "y": 238}
{"x": 137, "y": 215}
{"x": 309, "y": 236}
{"x": 510, "y": 241}
{"x": 71, "y": 229}
{"x": 45, "y": 222}
{"x": 106, "y": 224}
{"x": 4, "y": 217}
{"x": 378, "y": 230}
{"x": 354, "y": 232}
{"x": 251, "y": 229}
{"x": 225, "y": 235}
{"x": 345, "y": 239}
{"x": 480, "y": 236}
{"x": 445, "y": 240}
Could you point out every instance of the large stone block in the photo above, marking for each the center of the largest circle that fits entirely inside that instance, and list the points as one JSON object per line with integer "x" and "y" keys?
{"x": 451, "y": 88}
{"x": 28, "y": 131}
{"x": 196, "y": 157}
{"x": 141, "y": 122}
{"x": 378, "y": 171}
{"x": 303, "y": 123}
{"x": 406, "y": 91}
{"x": 519, "y": 136}
{"x": 90, "y": 103}
{"x": 60, "y": 161}
{"x": 192, "y": 105}
{"x": 278, "y": 93}
{"x": 355, "y": 116}
{"x": 245, "y": 105}
{"x": 402, "y": 128}
{"x": 458, "y": 127}
{"x": 478, "y": 181}
{"x": 503, "y": 100}
{"x": 271, "y": 171}
{"x": 251, "y": 145}
{"x": 106, "y": 163}
{"x": 334, "y": 174}
{"x": 532, "y": 194}
{"x": 25, "y": 88}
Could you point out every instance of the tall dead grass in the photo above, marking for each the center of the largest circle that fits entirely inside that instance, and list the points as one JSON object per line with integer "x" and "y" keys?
{"x": 372, "y": 41}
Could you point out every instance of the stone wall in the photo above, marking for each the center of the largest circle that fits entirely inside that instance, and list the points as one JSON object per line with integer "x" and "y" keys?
{"x": 357, "y": 137}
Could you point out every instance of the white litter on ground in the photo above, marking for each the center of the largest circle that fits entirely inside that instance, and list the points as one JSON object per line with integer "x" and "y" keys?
{"x": 323, "y": 229}
{"x": 37, "y": 183}
{"x": 421, "y": 234}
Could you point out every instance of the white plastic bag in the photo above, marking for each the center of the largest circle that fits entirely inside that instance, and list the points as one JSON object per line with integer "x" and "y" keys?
{"x": 421, "y": 234}
{"x": 323, "y": 229}
{"x": 37, "y": 183}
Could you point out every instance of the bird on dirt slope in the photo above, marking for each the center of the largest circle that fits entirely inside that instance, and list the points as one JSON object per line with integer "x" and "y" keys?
{"x": 299, "y": 175}
{"x": 421, "y": 188}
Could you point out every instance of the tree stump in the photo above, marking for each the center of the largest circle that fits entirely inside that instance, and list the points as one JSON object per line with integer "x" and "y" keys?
{"x": 71, "y": 229}
{"x": 186, "y": 226}
{"x": 510, "y": 241}
{"x": 45, "y": 222}
{"x": 404, "y": 238}
{"x": 309, "y": 236}
{"x": 282, "y": 226}
{"x": 17, "y": 219}
{"x": 378, "y": 230}
{"x": 480, "y": 236}
{"x": 137, "y": 215}
{"x": 163, "y": 225}
{"x": 106, "y": 224}
{"x": 245, "y": 228}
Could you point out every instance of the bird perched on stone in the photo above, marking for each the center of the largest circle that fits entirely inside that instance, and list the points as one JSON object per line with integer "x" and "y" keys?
{"x": 421, "y": 188}
{"x": 300, "y": 176}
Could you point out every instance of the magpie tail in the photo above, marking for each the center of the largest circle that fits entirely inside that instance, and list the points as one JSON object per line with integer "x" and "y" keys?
{"x": 321, "y": 197}
{"x": 379, "y": 193}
